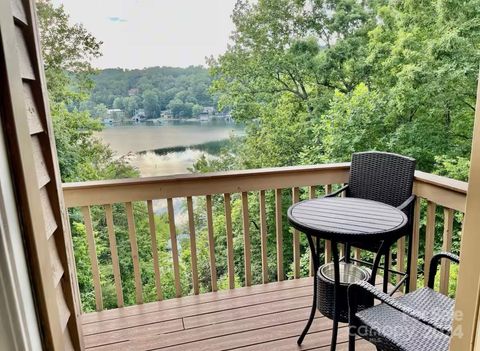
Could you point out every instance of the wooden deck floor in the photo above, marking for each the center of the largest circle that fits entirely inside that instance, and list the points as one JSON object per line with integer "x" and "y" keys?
{"x": 262, "y": 317}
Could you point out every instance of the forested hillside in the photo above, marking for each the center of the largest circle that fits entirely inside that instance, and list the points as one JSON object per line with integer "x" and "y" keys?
{"x": 184, "y": 91}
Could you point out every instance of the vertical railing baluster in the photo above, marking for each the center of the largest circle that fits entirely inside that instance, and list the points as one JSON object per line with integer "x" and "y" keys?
{"x": 263, "y": 236}
{"x": 211, "y": 243}
{"x": 429, "y": 238}
{"x": 448, "y": 216}
{"x": 357, "y": 254}
{"x": 193, "y": 246}
{"x": 153, "y": 241}
{"x": 134, "y": 250}
{"x": 246, "y": 240}
{"x": 296, "y": 238}
{"x": 173, "y": 240}
{"x": 113, "y": 251}
{"x": 229, "y": 232}
{"x": 415, "y": 245}
{"x": 279, "y": 233}
{"x": 93, "y": 257}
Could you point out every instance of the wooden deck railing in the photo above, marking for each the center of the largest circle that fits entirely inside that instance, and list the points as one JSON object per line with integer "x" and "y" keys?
{"x": 308, "y": 181}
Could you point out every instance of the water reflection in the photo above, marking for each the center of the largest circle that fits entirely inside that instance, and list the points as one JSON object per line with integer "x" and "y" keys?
{"x": 152, "y": 163}
{"x": 125, "y": 139}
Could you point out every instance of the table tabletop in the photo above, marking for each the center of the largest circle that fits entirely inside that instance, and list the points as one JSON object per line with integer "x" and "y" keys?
{"x": 346, "y": 219}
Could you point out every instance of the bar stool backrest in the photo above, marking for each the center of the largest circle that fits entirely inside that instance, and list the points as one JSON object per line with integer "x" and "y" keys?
{"x": 381, "y": 176}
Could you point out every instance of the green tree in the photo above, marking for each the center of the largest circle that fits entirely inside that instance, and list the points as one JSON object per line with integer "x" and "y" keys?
{"x": 290, "y": 48}
{"x": 197, "y": 110}
{"x": 177, "y": 106}
{"x": 119, "y": 103}
{"x": 132, "y": 104}
{"x": 187, "y": 109}
{"x": 99, "y": 111}
{"x": 150, "y": 103}
{"x": 394, "y": 76}
{"x": 67, "y": 53}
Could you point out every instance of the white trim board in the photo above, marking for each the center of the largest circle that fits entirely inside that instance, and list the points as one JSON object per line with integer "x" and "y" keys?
{"x": 18, "y": 322}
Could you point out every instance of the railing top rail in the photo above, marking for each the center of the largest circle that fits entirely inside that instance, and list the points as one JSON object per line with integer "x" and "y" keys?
{"x": 142, "y": 189}
{"x": 201, "y": 176}
{"x": 442, "y": 182}
{"x": 442, "y": 190}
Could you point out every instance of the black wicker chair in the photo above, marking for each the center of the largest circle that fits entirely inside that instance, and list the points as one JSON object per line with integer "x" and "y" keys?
{"x": 387, "y": 178}
{"x": 418, "y": 321}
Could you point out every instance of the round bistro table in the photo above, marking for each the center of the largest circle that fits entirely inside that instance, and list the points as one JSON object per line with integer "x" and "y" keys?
{"x": 345, "y": 220}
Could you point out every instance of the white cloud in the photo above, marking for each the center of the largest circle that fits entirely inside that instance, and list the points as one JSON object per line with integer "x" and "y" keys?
{"x": 144, "y": 33}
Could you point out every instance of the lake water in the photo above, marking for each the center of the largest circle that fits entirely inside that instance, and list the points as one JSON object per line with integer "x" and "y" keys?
{"x": 170, "y": 147}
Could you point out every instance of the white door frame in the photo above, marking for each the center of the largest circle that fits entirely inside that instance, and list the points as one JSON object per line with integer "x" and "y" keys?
{"x": 18, "y": 322}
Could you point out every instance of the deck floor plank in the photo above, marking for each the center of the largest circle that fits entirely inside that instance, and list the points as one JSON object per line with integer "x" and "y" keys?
{"x": 138, "y": 332}
{"x": 197, "y": 315}
{"x": 261, "y": 317}
{"x": 192, "y": 300}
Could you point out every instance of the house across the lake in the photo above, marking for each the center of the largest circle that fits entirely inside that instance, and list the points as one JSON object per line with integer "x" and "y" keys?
{"x": 208, "y": 110}
{"x": 133, "y": 92}
{"x": 116, "y": 114}
{"x": 139, "y": 115}
{"x": 166, "y": 114}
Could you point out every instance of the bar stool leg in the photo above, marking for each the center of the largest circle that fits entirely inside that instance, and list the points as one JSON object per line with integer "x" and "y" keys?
{"x": 314, "y": 301}
{"x": 348, "y": 250}
{"x": 409, "y": 261}
{"x": 351, "y": 339}
{"x": 333, "y": 345}
{"x": 385, "y": 271}
{"x": 382, "y": 251}
{"x": 352, "y": 327}
{"x": 410, "y": 247}
{"x": 336, "y": 271}
{"x": 312, "y": 314}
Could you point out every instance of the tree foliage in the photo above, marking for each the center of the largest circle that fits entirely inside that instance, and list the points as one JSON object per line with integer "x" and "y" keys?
{"x": 395, "y": 76}
{"x": 67, "y": 53}
{"x": 317, "y": 80}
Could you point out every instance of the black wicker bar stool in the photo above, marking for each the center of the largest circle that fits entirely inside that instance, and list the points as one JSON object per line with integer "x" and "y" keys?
{"x": 418, "y": 321}
{"x": 386, "y": 178}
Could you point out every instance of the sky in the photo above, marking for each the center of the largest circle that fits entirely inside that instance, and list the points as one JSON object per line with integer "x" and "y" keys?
{"x": 146, "y": 33}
